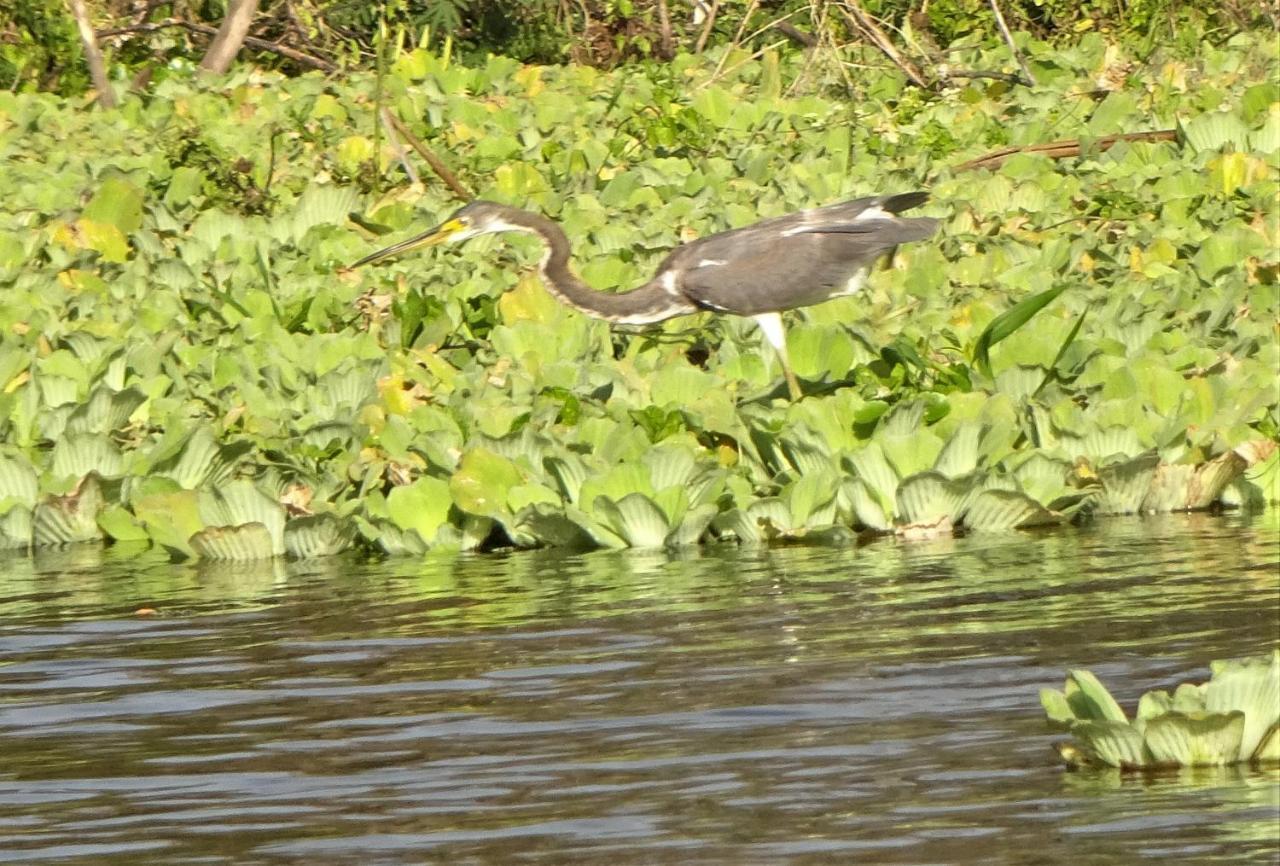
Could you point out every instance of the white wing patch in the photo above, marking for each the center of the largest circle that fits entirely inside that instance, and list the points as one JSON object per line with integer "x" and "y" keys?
{"x": 853, "y": 286}
{"x": 873, "y": 213}
{"x": 711, "y": 263}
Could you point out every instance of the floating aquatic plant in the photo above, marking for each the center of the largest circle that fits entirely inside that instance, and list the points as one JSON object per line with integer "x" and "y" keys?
{"x": 1089, "y": 336}
{"x": 1234, "y": 718}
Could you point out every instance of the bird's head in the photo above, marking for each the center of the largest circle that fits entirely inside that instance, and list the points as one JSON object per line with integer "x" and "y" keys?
{"x": 476, "y": 218}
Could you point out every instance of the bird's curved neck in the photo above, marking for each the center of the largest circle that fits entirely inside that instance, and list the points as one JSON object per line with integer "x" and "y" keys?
{"x": 658, "y": 299}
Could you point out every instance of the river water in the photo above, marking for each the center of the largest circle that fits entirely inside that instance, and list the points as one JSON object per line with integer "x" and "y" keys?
{"x": 796, "y": 705}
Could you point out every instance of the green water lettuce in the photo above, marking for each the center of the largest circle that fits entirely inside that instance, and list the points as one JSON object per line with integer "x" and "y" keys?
{"x": 1234, "y": 718}
{"x": 1084, "y": 336}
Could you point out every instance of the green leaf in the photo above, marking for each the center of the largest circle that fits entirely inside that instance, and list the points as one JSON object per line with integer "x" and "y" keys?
{"x": 1125, "y": 485}
{"x": 78, "y": 454}
{"x": 120, "y": 525}
{"x": 69, "y": 519}
{"x": 1009, "y": 322}
{"x": 1189, "y": 741}
{"x": 105, "y": 411}
{"x": 1002, "y": 510}
{"x": 871, "y": 509}
{"x": 117, "y": 203}
{"x": 242, "y": 543}
{"x": 1090, "y": 700}
{"x": 1251, "y": 686}
{"x": 422, "y": 506}
{"x": 170, "y": 518}
{"x": 18, "y": 485}
{"x": 636, "y": 518}
{"x": 1212, "y": 132}
{"x": 317, "y": 535}
{"x": 1056, "y": 706}
{"x": 930, "y": 499}
{"x": 483, "y": 482}
{"x": 1116, "y": 744}
{"x": 237, "y": 503}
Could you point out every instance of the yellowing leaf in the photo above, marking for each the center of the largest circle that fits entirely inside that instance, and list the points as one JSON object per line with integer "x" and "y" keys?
{"x": 528, "y": 301}
{"x": 530, "y": 78}
{"x": 103, "y": 238}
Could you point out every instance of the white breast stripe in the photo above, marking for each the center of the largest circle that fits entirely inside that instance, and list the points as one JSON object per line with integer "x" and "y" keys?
{"x": 668, "y": 283}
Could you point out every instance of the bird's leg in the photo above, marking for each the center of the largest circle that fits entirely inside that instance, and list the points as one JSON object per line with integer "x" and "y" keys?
{"x": 771, "y": 325}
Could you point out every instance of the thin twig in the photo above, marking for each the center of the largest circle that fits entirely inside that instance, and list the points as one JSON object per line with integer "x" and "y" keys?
{"x": 1064, "y": 149}
{"x": 706, "y": 28}
{"x": 204, "y": 29}
{"x": 1013, "y": 47}
{"x": 1011, "y": 77}
{"x": 868, "y": 27}
{"x": 388, "y": 124}
{"x": 442, "y": 170}
{"x": 719, "y": 73}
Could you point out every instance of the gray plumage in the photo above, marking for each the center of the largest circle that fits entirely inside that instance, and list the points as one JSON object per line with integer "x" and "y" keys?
{"x": 758, "y": 270}
{"x": 796, "y": 260}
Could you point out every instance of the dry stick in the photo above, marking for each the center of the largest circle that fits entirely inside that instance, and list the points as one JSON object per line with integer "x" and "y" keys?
{"x": 388, "y": 123}
{"x": 737, "y": 40}
{"x": 1011, "y": 77}
{"x": 706, "y": 27}
{"x": 252, "y": 41}
{"x": 796, "y": 34}
{"x": 1008, "y": 38}
{"x": 867, "y": 25}
{"x": 665, "y": 41}
{"x": 1063, "y": 149}
{"x": 93, "y": 55}
{"x": 450, "y": 179}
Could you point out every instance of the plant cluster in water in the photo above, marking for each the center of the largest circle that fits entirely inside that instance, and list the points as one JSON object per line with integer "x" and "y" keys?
{"x": 182, "y": 362}
{"x": 1232, "y": 719}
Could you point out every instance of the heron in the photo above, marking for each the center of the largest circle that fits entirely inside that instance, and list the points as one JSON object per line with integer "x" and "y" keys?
{"x": 759, "y": 270}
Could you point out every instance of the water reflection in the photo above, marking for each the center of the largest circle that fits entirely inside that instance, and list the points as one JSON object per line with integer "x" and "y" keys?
{"x": 799, "y": 705}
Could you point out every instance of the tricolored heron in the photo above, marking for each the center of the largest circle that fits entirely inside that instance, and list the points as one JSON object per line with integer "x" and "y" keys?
{"x": 759, "y": 270}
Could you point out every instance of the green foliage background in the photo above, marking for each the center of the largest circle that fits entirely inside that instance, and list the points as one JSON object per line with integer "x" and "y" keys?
{"x": 182, "y": 361}
{"x": 40, "y": 49}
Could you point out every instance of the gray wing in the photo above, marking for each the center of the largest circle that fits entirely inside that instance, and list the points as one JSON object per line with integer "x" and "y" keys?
{"x": 794, "y": 260}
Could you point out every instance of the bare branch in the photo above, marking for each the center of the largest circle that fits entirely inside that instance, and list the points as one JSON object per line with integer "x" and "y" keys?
{"x": 665, "y": 41}
{"x": 388, "y": 123}
{"x": 93, "y": 54}
{"x": 230, "y": 36}
{"x": 1064, "y": 149}
{"x": 1011, "y": 77}
{"x": 706, "y": 27}
{"x": 204, "y": 29}
{"x": 866, "y": 25}
{"x": 437, "y": 165}
{"x": 1029, "y": 79}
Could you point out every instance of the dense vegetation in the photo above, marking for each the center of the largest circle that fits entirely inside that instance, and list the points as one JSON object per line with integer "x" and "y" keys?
{"x": 40, "y": 47}
{"x": 182, "y": 362}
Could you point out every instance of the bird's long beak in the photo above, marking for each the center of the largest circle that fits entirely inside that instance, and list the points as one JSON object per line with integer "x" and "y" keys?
{"x": 431, "y": 237}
